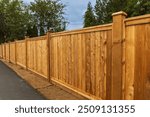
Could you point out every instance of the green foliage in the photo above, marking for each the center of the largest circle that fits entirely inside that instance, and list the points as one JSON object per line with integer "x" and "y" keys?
{"x": 14, "y": 20}
{"x": 142, "y": 7}
{"x": 48, "y": 15}
{"x": 34, "y": 31}
{"x": 18, "y": 20}
{"x": 42, "y": 32}
{"x": 29, "y": 31}
{"x": 89, "y": 18}
{"x": 104, "y": 8}
{"x": 102, "y": 12}
{"x": 3, "y": 28}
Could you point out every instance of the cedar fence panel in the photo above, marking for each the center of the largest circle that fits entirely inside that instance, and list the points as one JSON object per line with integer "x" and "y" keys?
{"x": 137, "y": 58}
{"x": 21, "y": 53}
{"x": 78, "y": 59}
{"x": 37, "y": 55}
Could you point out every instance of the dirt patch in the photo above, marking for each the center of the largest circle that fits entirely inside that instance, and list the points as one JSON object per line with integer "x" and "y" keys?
{"x": 48, "y": 90}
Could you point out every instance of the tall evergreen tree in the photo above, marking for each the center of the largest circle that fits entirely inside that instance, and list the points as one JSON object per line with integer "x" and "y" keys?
{"x": 101, "y": 11}
{"x": 143, "y": 7}
{"x": 105, "y": 8}
{"x": 89, "y": 18}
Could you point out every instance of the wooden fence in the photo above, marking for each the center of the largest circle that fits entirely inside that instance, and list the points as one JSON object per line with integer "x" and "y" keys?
{"x": 37, "y": 55}
{"x": 102, "y": 62}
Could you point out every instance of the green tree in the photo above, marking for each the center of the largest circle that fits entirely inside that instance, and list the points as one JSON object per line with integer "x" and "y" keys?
{"x": 18, "y": 20}
{"x": 42, "y": 31}
{"x": 3, "y": 26}
{"x": 102, "y": 12}
{"x": 89, "y": 18}
{"x": 14, "y": 19}
{"x": 48, "y": 14}
{"x": 105, "y": 8}
{"x": 29, "y": 31}
{"x": 3, "y": 29}
{"x": 142, "y": 7}
{"x": 34, "y": 31}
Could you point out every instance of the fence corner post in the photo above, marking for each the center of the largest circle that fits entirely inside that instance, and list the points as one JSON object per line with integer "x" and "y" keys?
{"x": 117, "y": 54}
{"x": 48, "y": 55}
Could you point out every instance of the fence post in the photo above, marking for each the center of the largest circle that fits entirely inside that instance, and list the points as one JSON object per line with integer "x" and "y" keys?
{"x": 15, "y": 52}
{"x": 5, "y": 50}
{"x": 117, "y": 54}
{"x": 26, "y": 44}
{"x": 2, "y": 51}
{"x": 48, "y": 55}
{"x": 9, "y": 51}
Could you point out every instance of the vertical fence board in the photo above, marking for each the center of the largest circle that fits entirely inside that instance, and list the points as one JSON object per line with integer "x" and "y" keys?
{"x": 130, "y": 52}
{"x": 12, "y": 53}
{"x": 1, "y": 55}
{"x": 108, "y": 65}
{"x": 140, "y": 67}
{"x": 81, "y": 60}
{"x": 21, "y": 53}
{"x": 147, "y": 49}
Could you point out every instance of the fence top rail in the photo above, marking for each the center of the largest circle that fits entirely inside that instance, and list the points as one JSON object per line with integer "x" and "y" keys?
{"x": 36, "y": 38}
{"x": 20, "y": 41}
{"x": 84, "y": 30}
{"x": 7, "y": 43}
{"x": 12, "y": 42}
{"x": 144, "y": 19}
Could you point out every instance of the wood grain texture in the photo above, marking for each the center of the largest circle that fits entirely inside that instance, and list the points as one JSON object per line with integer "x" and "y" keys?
{"x": 7, "y": 51}
{"x": 130, "y": 62}
{"x": 12, "y": 53}
{"x": 1, "y": 51}
{"x": 137, "y": 59}
{"x": 21, "y": 53}
{"x": 80, "y": 60}
{"x": 4, "y": 51}
{"x": 117, "y": 55}
{"x": 37, "y": 55}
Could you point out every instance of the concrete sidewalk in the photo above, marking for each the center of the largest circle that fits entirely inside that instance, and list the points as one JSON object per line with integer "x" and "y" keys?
{"x": 12, "y": 87}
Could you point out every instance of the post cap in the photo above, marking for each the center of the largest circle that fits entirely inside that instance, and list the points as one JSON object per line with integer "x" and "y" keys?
{"x": 119, "y": 13}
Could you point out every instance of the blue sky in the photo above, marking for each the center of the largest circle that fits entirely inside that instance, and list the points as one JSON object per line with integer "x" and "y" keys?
{"x": 74, "y": 12}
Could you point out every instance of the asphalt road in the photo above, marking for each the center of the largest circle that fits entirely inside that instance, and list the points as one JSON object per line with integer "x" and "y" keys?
{"x": 12, "y": 87}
